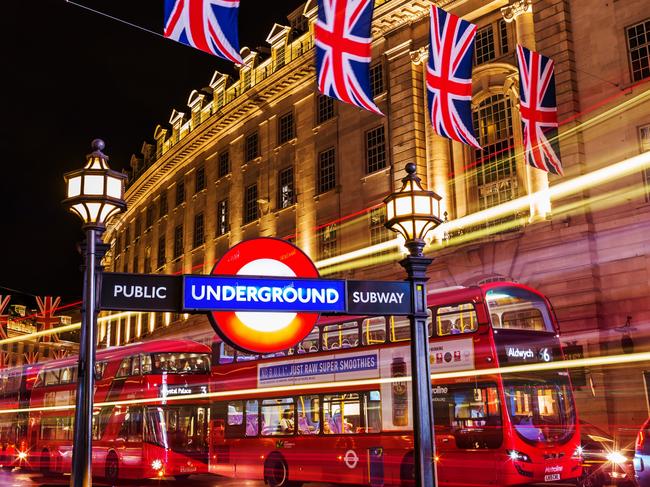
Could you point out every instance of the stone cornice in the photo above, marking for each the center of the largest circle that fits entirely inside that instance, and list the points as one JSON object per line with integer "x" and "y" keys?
{"x": 515, "y": 9}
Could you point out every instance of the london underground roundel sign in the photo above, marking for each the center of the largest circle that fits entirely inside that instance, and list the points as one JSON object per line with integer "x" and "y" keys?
{"x": 264, "y": 332}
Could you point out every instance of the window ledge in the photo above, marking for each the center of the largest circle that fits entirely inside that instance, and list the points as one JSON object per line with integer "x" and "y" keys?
{"x": 197, "y": 249}
{"x": 324, "y": 124}
{"x": 225, "y": 177}
{"x": 293, "y": 141}
{"x": 284, "y": 210}
{"x": 383, "y": 171}
{"x": 326, "y": 194}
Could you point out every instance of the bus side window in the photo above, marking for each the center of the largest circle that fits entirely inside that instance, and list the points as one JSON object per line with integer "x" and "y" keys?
{"x": 341, "y": 335}
{"x": 246, "y": 357}
{"x": 52, "y": 377}
{"x": 400, "y": 328}
{"x": 372, "y": 412}
{"x": 100, "y": 367}
{"x": 131, "y": 429}
{"x": 125, "y": 368}
{"x": 308, "y": 421}
{"x": 145, "y": 361}
{"x": 235, "y": 419}
{"x": 135, "y": 365}
{"x": 342, "y": 414}
{"x": 278, "y": 417}
{"x": 373, "y": 331}
{"x": 309, "y": 344}
{"x": 252, "y": 418}
{"x": 456, "y": 319}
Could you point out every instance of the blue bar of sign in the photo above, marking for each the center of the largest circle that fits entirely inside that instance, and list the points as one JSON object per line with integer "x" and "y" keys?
{"x": 216, "y": 293}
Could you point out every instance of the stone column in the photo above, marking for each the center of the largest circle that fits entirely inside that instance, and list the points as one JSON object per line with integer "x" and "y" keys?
{"x": 521, "y": 13}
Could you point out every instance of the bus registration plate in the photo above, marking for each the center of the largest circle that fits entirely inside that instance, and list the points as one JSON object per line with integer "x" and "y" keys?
{"x": 551, "y": 477}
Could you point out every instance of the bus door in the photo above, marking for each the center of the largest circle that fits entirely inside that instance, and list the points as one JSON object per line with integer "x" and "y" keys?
{"x": 129, "y": 442}
{"x": 468, "y": 432}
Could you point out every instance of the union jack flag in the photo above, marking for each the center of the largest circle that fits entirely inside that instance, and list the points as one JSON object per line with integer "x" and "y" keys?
{"x": 449, "y": 76}
{"x": 343, "y": 41}
{"x": 208, "y": 25}
{"x": 46, "y": 318}
{"x": 4, "y": 318}
{"x": 538, "y": 110}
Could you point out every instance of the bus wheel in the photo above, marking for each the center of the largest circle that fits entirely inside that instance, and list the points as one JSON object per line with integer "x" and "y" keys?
{"x": 276, "y": 472}
{"x": 407, "y": 471}
{"x": 112, "y": 468}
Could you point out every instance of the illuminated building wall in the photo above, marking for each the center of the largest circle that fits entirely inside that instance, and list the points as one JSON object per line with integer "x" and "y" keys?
{"x": 262, "y": 154}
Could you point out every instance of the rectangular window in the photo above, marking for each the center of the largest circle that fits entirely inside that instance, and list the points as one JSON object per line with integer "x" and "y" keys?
{"x": 280, "y": 57}
{"x": 163, "y": 204}
{"x": 223, "y": 225}
{"x": 224, "y": 163}
{"x": 375, "y": 150}
{"x": 308, "y": 422}
{"x": 199, "y": 179}
{"x": 178, "y": 241}
{"x": 327, "y": 243}
{"x": 199, "y": 236}
{"x": 326, "y": 170}
{"x": 286, "y": 129}
{"x": 342, "y": 414}
{"x": 377, "y": 79}
{"x": 147, "y": 260}
{"x": 180, "y": 192}
{"x": 247, "y": 80}
{"x": 251, "y": 212}
{"x": 638, "y": 46}
{"x": 127, "y": 237}
{"x": 278, "y": 417}
{"x": 135, "y": 264}
{"x": 138, "y": 228}
{"x": 286, "y": 194}
{"x": 149, "y": 217}
{"x": 196, "y": 118}
{"x": 456, "y": 319}
{"x": 220, "y": 99}
{"x": 484, "y": 47}
{"x": 378, "y": 231}
{"x": 341, "y": 335}
{"x": 503, "y": 36}
{"x": 161, "y": 251}
{"x": 251, "y": 147}
{"x": 644, "y": 138}
{"x": 373, "y": 331}
{"x": 325, "y": 108}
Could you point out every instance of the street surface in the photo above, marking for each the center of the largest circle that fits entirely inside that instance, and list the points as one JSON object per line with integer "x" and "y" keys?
{"x": 21, "y": 478}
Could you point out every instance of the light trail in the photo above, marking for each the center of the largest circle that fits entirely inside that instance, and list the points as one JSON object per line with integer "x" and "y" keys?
{"x": 70, "y": 327}
{"x": 513, "y": 369}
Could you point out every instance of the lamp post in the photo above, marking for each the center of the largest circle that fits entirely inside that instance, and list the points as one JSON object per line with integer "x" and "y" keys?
{"x": 413, "y": 212}
{"x": 95, "y": 193}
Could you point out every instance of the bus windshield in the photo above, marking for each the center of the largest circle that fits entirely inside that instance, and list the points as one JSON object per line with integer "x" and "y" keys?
{"x": 518, "y": 309}
{"x": 541, "y": 407}
{"x": 180, "y": 429}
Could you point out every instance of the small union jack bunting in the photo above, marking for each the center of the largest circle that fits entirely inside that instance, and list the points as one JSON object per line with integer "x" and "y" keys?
{"x": 46, "y": 319}
{"x": 208, "y": 25}
{"x": 449, "y": 76}
{"x": 538, "y": 110}
{"x": 343, "y": 42}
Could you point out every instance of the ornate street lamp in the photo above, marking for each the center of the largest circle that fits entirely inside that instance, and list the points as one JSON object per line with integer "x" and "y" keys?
{"x": 95, "y": 193}
{"x": 413, "y": 212}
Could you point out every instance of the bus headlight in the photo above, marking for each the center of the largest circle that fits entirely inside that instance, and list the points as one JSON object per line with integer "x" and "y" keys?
{"x": 616, "y": 457}
{"x": 22, "y": 455}
{"x": 578, "y": 452}
{"x": 157, "y": 465}
{"x": 517, "y": 455}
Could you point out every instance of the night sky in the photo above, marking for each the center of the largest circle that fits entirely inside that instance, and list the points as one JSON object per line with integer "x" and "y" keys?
{"x": 71, "y": 75}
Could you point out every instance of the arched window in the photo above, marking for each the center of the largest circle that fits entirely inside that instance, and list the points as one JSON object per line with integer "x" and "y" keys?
{"x": 496, "y": 170}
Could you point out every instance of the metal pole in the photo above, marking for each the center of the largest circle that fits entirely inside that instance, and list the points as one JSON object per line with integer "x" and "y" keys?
{"x": 82, "y": 447}
{"x": 423, "y": 423}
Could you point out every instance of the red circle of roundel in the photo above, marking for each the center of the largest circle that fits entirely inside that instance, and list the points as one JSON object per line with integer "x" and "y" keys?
{"x": 234, "y": 330}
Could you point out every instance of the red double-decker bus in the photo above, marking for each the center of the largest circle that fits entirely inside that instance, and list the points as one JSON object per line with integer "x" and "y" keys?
{"x": 337, "y": 408}
{"x": 150, "y": 419}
